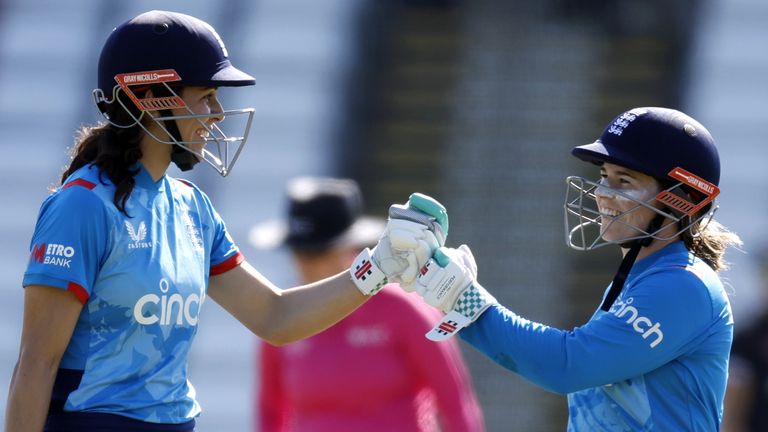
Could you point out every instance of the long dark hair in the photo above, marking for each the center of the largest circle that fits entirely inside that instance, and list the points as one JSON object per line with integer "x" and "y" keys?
{"x": 113, "y": 149}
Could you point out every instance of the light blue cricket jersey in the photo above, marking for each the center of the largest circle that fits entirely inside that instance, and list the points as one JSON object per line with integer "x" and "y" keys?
{"x": 657, "y": 361}
{"x": 142, "y": 280}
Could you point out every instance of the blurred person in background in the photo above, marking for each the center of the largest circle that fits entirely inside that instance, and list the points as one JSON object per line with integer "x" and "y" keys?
{"x": 746, "y": 397}
{"x": 369, "y": 372}
{"x": 123, "y": 255}
{"x": 654, "y": 355}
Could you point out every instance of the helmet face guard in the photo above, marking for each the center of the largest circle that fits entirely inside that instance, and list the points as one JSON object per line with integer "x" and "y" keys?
{"x": 584, "y": 224}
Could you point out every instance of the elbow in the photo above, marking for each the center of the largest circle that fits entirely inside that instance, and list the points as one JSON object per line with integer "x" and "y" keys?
{"x": 282, "y": 338}
{"x": 44, "y": 361}
{"x": 273, "y": 323}
{"x": 563, "y": 385}
{"x": 33, "y": 368}
{"x": 277, "y": 339}
{"x": 276, "y": 331}
{"x": 562, "y": 388}
{"x": 559, "y": 388}
{"x": 278, "y": 342}
{"x": 555, "y": 380}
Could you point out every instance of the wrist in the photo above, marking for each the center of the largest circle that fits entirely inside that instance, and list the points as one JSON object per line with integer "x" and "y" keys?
{"x": 366, "y": 275}
{"x": 474, "y": 301}
{"x": 471, "y": 303}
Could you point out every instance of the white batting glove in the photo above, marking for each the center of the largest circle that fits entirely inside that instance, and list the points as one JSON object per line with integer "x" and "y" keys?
{"x": 414, "y": 231}
{"x": 449, "y": 283}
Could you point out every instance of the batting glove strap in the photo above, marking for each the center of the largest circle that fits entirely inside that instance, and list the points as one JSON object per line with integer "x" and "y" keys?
{"x": 366, "y": 275}
{"x": 469, "y": 306}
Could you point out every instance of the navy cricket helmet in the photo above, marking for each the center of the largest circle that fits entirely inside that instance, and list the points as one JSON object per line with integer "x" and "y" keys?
{"x": 158, "y": 40}
{"x": 655, "y": 141}
{"x": 161, "y": 51}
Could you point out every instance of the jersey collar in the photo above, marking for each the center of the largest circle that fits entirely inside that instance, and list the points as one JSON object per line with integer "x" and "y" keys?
{"x": 673, "y": 249}
{"x": 144, "y": 179}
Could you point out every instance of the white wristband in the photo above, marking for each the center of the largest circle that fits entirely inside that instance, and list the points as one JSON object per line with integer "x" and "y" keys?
{"x": 366, "y": 275}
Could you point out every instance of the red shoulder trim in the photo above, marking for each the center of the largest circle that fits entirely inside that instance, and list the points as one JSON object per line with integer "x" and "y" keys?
{"x": 186, "y": 182}
{"x": 80, "y": 182}
{"x": 78, "y": 291}
{"x": 228, "y": 264}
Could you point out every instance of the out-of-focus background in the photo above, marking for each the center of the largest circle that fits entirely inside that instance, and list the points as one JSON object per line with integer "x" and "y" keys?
{"x": 477, "y": 103}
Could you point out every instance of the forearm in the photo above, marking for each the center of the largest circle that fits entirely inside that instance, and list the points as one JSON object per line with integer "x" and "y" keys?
{"x": 280, "y": 316}
{"x": 413, "y": 232}
{"x": 29, "y": 396}
{"x": 533, "y": 350}
{"x": 309, "y": 309}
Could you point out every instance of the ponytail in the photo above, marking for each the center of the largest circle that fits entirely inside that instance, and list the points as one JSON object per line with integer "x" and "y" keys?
{"x": 710, "y": 242}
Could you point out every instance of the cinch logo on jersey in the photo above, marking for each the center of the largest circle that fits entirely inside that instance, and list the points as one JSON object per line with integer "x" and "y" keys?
{"x": 167, "y": 309}
{"x": 640, "y": 324}
{"x": 138, "y": 236}
{"x": 54, "y": 254}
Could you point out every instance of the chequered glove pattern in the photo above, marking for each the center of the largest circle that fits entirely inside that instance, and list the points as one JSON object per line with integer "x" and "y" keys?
{"x": 470, "y": 305}
{"x": 473, "y": 301}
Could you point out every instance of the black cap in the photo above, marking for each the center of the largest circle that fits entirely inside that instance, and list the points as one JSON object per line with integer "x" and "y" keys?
{"x": 323, "y": 212}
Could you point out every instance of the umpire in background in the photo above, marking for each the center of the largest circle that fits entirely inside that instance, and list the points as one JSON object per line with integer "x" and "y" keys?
{"x": 378, "y": 374}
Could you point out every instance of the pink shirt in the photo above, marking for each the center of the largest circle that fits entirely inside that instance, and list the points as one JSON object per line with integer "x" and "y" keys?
{"x": 373, "y": 371}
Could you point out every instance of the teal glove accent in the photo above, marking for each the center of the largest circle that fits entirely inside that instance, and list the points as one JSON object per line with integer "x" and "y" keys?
{"x": 441, "y": 258}
{"x": 414, "y": 231}
{"x": 430, "y": 206}
{"x": 424, "y": 210}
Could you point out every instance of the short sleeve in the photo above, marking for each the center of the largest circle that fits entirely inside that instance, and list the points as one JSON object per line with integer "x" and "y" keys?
{"x": 69, "y": 243}
{"x": 225, "y": 255}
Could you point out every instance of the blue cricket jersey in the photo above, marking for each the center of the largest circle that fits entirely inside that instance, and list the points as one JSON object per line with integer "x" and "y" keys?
{"x": 142, "y": 279}
{"x": 656, "y": 361}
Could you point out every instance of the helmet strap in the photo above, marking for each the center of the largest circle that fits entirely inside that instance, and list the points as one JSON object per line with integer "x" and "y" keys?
{"x": 183, "y": 158}
{"x": 628, "y": 261}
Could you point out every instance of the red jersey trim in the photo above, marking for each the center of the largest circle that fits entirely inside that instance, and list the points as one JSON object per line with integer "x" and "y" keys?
{"x": 228, "y": 264}
{"x": 78, "y": 291}
{"x": 80, "y": 182}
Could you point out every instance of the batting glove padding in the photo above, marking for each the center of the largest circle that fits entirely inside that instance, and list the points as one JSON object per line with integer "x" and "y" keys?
{"x": 413, "y": 233}
{"x": 449, "y": 283}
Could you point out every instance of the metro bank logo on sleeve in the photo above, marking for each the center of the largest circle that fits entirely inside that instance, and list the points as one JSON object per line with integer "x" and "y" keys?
{"x": 53, "y": 254}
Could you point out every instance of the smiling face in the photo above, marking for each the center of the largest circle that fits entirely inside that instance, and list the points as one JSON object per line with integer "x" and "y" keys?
{"x": 621, "y": 215}
{"x": 199, "y": 100}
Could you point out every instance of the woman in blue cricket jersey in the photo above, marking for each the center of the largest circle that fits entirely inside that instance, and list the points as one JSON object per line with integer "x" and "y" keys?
{"x": 123, "y": 255}
{"x": 654, "y": 356}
